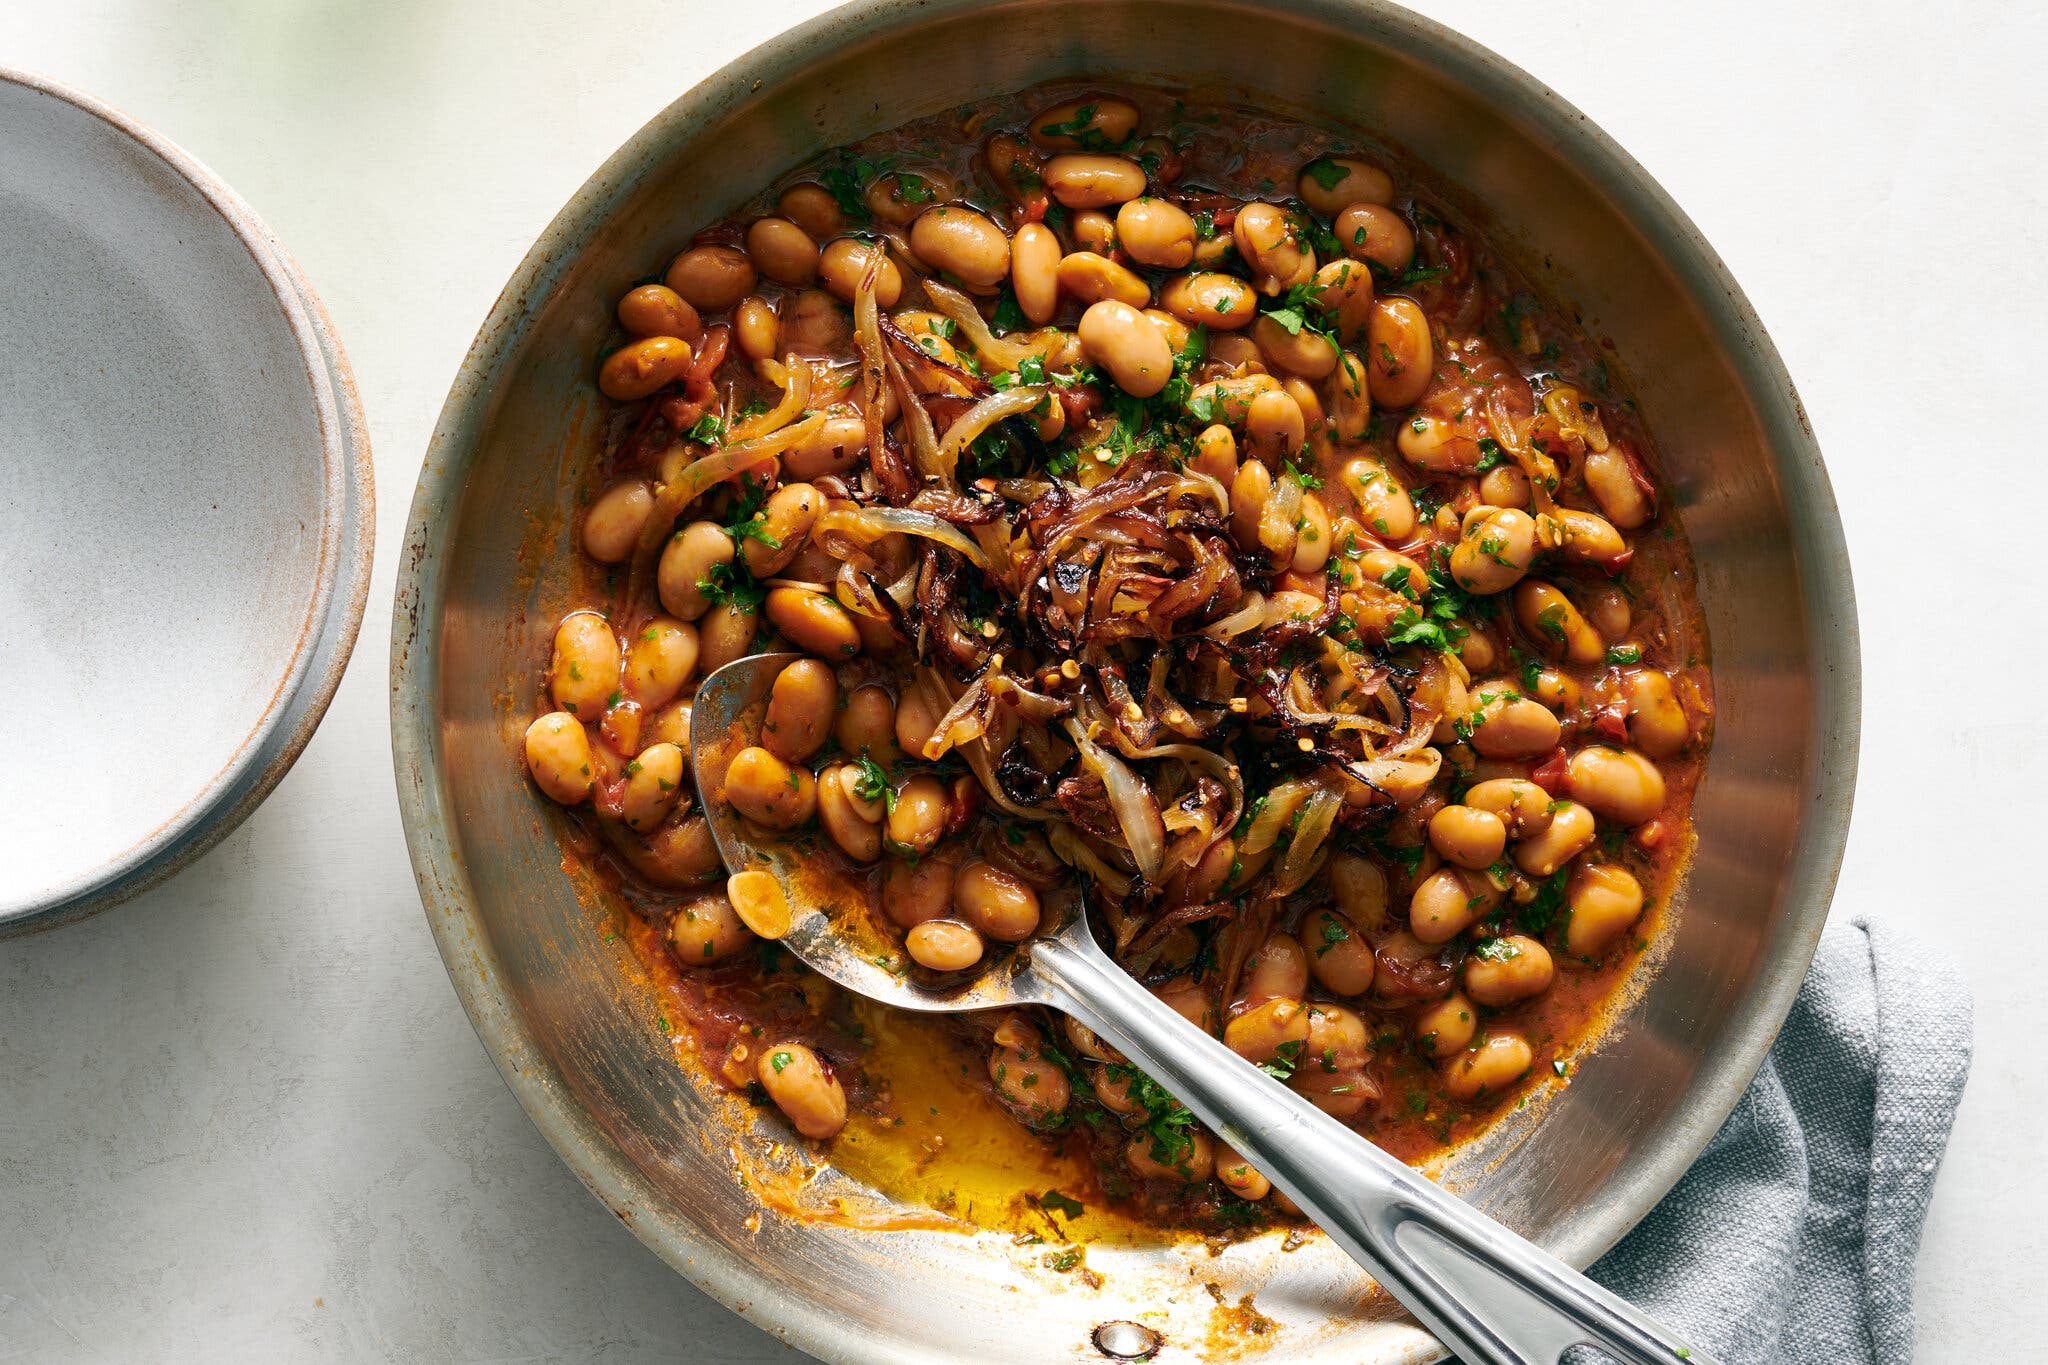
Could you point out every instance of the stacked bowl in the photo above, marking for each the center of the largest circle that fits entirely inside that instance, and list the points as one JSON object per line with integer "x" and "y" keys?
{"x": 185, "y": 507}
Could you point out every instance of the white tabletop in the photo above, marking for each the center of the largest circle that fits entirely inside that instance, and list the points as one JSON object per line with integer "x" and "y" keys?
{"x": 244, "y": 1117}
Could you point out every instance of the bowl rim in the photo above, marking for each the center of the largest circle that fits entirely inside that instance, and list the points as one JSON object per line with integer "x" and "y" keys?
{"x": 342, "y": 565}
{"x": 1826, "y": 591}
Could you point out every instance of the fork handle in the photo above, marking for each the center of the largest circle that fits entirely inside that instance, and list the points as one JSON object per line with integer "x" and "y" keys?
{"x": 1490, "y": 1296}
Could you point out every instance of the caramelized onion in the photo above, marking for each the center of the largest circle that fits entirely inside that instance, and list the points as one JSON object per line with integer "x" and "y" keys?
{"x": 683, "y": 481}
{"x": 869, "y": 524}
{"x": 924, "y": 441}
{"x": 1389, "y": 776}
{"x": 1218, "y": 767}
{"x": 796, "y": 396}
{"x": 938, "y": 694}
{"x": 978, "y": 762}
{"x": 1209, "y": 487}
{"x": 1034, "y": 707}
{"x": 1251, "y": 615}
{"x": 698, "y": 478}
{"x": 1000, "y": 351}
{"x": 967, "y": 718}
{"x": 856, "y": 592}
{"x": 904, "y": 589}
{"x": 1420, "y": 720}
{"x": 1130, "y": 800}
{"x": 1540, "y": 468}
{"x": 1276, "y": 814}
{"x": 983, "y": 415}
{"x": 1305, "y": 855}
{"x": 867, "y": 339}
{"x": 994, "y": 539}
{"x": 1074, "y": 851}
{"x": 1298, "y": 704}
{"x": 1280, "y": 521}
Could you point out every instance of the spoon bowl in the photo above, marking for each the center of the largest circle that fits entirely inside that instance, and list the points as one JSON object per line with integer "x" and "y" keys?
{"x": 723, "y": 720}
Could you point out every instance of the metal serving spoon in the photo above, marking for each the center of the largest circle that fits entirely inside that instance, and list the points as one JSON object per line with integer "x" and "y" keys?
{"x": 1486, "y": 1293}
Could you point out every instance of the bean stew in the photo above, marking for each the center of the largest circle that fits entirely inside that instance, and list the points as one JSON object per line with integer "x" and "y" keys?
{"x": 1176, "y": 506}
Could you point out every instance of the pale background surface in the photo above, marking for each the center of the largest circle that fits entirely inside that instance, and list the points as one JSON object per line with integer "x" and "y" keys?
{"x": 244, "y": 1117}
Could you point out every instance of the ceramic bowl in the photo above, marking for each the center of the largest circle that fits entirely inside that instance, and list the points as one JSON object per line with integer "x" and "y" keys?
{"x": 185, "y": 506}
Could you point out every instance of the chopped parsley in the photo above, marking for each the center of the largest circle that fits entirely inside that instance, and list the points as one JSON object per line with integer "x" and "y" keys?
{"x": 846, "y": 181}
{"x": 750, "y": 522}
{"x": 1124, "y": 438}
{"x": 1251, "y": 813}
{"x": 1171, "y": 399}
{"x": 1146, "y": 423}
{"x": 1546, "y": 908}
{"x": 1426, "y": 500}
{"x": 1082, "y": 121}
{"x": 1433, "y": 623}
{"x": 1326, "y": 172}
{"x": 1009, "y": 315}
{"x": 1495, "y": 950}
{"x": 1167, "y": 1120}
{"x": 1081, "y": 128}
{"x": 1300, "y": 308}
{"x": 911, "y": 189}
{"x": 1054, "y": 1202}
{"x": 1286, "y": 1057}
{"x": 1403, "y": 279}
{"x": 730, "y": 585}
{"x": 1334, "y": 931}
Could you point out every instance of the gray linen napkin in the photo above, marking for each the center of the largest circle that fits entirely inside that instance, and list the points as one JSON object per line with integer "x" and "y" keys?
{"x": 1793, "y": 1238}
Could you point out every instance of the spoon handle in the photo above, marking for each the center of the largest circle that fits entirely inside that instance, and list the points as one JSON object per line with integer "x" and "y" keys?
{"x": 1486, "y": 1293}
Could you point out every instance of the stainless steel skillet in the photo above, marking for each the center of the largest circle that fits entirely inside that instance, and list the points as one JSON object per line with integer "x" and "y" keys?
{"x": 531, "y": 958}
